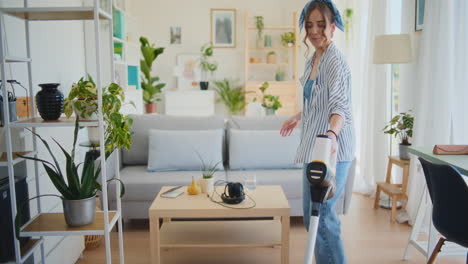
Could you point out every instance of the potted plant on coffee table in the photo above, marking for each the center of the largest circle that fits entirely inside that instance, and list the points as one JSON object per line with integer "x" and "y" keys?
{"x": 208, "y": 170}
{"x": 149, "y": 84}
{"x": 206, "y": 65}
{"x": 401, "y": 126}
{"x": 78, "y": 194}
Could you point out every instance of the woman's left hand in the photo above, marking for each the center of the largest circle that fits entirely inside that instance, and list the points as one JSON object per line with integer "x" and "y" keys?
{"x": 334, "y": 144}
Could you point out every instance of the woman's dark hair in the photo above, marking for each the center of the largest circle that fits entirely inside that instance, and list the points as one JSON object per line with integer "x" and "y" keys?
{"x": 326, "y": 12}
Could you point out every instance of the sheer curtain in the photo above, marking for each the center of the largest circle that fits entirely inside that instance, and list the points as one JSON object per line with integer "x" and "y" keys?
{"x": 442, "y": 85}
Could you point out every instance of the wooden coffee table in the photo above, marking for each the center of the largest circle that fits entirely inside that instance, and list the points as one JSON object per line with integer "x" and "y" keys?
{"x": 242, "y": 233}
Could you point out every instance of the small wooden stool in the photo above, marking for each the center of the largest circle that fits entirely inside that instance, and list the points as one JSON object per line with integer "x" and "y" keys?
{"x": 395, "y": 191}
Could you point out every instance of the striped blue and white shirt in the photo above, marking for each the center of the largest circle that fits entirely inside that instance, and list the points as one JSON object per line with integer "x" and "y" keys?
{"x": 331, "y": 94}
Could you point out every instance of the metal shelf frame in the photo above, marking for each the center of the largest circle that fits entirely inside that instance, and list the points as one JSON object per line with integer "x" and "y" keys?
{"x": 109, "y": 218}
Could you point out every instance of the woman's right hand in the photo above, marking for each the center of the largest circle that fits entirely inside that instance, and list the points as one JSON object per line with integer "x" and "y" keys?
{"x": 290, "y": 124}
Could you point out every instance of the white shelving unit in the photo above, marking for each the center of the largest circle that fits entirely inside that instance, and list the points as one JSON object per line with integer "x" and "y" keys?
{"x": 53, "y": 224}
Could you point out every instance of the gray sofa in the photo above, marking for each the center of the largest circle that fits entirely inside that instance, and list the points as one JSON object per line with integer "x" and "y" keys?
{"x": 159, "y": 157}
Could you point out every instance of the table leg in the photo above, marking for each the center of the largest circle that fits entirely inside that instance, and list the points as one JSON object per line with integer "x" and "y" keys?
{"x": 422, "y": 208}
{"x": 284, "y": 239}
{"x": 154, "y": 240}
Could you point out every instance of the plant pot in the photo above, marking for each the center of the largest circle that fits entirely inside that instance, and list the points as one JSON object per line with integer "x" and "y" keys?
{"x": 404, "y": 155}
{"x": 269, "y": 111}
{"x": 290, "y": 44}
{"x": 83, "y": 113}
{"x": 279, "y": 77}
{"x": 93, "y": 135}
{"x": 204, "y": 85}
{"x": 150, "y": 108}
{"x": 207, "y": 185}
{"x": 79, "y": 212}
{"x": 267, "y": 41}
{"x": 49, "y": 101}
{"x": 271, "y": 58}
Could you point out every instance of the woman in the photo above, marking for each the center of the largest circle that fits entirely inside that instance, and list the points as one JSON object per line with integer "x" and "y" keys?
{"x": 326, "y": 110}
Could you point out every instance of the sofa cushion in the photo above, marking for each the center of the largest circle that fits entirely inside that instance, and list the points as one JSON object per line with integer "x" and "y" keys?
{"x": 138, "y": 153}
{"x": 171, "y": 150}
{"x": 262, "y": 149}
{"x": 273, "y": 122}
{"x": 142, "y": 185}
{"x": 290, "y": 180}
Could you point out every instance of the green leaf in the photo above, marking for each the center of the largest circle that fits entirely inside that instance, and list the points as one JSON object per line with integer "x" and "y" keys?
{"x": 59, "y": 183}
{"x": 72, "y": 174}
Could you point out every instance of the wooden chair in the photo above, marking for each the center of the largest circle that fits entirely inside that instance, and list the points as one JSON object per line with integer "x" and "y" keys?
{"x": 395, "y": 191}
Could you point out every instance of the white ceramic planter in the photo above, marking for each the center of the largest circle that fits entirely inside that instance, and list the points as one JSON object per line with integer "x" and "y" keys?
{"x": 207, "y": 185}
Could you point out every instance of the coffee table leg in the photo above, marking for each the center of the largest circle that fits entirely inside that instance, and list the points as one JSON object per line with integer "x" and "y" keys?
{"x": 284, "y": 239}
{"x": 154, "y": 239}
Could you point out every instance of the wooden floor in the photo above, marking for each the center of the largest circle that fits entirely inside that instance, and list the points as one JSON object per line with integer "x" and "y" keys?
{"x": 368, "y": 235}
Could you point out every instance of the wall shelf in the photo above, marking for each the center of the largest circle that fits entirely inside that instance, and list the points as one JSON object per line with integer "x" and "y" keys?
{"x": 55, "y": 13}
{"x": 53, "y": 224}
{"x": 268, "y": 64}
{"x": 61, "y": 122}
{"x": 273, "y": 28}
{"x": 269, "y": 48}
{"x": 16, "y": 158}
{"x": 12, "y": 59}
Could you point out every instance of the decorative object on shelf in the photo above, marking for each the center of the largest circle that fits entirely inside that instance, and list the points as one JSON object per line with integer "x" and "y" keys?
{"x": 11, "y": 103}
{"x": 187, "y": 71}
{"x": 267, "y": 41}
{"x": 223, "y": 28}
{"x": 255, "y": 60}
{"x": 118, "y": 18}
{"x": 208, "y": 171}
{"x": 401, "y": 126}
{"x": 176, "y": 35}
{"x": 49, "y": 101}
{"x": 78, "y": 195}
{"x": 193, "y": 188}
{"x": 288, "y": 39}
{"x": 348, "y": 23}
{"x": 83, "y": 96}
{"x": 419, "y": 17}
{"x": 206, "y": 65}
{"x": 270, "y": 102}
{"x": 260, "y": 26}
{"x": 280, "y": 75}
{"x": 271, "y": 57}
{"x": 149, "y": 84}
{"x": 232, "y": 95}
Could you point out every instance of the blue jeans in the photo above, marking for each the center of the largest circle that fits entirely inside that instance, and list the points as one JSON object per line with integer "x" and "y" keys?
{"x": 328, "y": 246}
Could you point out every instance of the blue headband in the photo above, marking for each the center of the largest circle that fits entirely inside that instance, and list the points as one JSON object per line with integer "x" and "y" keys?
{"x": 336, "y": 13}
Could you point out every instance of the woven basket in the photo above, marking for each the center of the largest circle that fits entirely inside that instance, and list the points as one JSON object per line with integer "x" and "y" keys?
{"x": 93, "y": 241}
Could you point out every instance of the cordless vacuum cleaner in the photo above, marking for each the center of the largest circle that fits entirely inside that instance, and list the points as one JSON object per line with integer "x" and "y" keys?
{"x": 321, "y": 177}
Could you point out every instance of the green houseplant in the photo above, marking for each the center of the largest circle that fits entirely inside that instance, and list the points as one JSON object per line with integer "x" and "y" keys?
{"x": 270, "y": 102}
{"x": 260, "y": 26}
{"x": 149, "y": 84}
{"x": 288, "y": 38}
{"x": 208, "y": 170}
{"x": 401, "y": 126}
{"x": 271, "y": 57}
{"x": 77, "y": 194}
{"x": 280, "y": 75}
{"x": 232, "y": 95}
{"x": 83, "y": 100}
{"x": 206, "y": 65}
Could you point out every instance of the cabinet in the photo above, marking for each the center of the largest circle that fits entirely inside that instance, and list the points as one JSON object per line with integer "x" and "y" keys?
{"x": 256, "y": 72}
{"x": 52, "y": 224}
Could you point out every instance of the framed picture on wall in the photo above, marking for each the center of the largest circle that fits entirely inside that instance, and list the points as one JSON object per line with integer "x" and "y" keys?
{"x": 223, "y": 28}
{"x": 419, "y": 16}
{"x": 187, "y": 71}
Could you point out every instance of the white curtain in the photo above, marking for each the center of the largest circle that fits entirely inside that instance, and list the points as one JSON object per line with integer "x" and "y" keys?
{"x": 441, "y": 115}
{"x": 370, "y": 93}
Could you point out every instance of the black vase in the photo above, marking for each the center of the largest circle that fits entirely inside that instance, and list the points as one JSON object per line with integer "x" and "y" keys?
{"x": 204, "y": 85}
{"x": 49, "y": 101}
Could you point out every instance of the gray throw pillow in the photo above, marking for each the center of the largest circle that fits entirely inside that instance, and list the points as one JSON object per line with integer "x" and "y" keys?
{"x": 170, "y": 150}
{"x": 262, "y": 149}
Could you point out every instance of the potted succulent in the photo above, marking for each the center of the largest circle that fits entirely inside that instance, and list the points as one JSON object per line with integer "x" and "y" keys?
{"x": 83, "y": 100}
{"x": 206, "y": 65}
{"x": 149, "y": 84}
{"x": 208, "y": 171}
{"x": 260, "y": 26}
{"x": 78, "y": 194}
{"x": 232, "y": 95}
{"x": 288, "y": 39}
{"x": 271, "y": 57}
{"x": 270, "y": 102}
{"x": 401, "y": 126}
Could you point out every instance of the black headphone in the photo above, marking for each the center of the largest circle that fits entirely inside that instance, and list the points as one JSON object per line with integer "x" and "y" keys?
{"x": 235, "y": 193}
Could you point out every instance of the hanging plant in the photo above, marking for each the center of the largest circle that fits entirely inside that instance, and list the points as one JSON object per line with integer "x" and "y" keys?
{"x": 348, "y": 23}
{"x": 260, "y": 26}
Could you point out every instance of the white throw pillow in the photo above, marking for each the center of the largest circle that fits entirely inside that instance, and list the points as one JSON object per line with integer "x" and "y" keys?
{"x": 262, "y": 149}
{"x": 177, "y": 149}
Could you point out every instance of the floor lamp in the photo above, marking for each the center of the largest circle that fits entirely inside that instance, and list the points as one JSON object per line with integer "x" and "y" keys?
{"x": 392, "y": 49}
